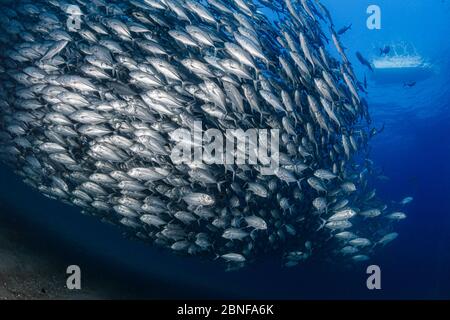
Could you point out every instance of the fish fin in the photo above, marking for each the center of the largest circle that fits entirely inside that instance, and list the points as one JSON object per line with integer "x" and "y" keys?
{"x": 219, "y": 185}
{"x": 322, "y": 224}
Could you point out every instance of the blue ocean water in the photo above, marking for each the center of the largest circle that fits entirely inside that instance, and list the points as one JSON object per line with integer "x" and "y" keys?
{"x": 413, "y": 151}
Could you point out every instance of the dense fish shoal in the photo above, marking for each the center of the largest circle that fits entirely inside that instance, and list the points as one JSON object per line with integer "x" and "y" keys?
{"x": 93, "y": 95}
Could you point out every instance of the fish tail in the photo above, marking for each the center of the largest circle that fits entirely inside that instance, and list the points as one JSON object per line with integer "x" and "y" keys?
{"x": 322, "y": 224}
{"x": 219, "y": 184}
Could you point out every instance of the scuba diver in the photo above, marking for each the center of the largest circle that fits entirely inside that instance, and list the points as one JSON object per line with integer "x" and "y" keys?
{"x": 385, "y": 51}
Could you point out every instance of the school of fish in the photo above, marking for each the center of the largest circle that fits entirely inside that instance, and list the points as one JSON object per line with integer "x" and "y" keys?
{"x": 86, "y": 117}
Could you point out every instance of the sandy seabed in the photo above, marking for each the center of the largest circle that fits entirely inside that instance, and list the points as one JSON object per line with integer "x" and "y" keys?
{"x": 24, "y": 274}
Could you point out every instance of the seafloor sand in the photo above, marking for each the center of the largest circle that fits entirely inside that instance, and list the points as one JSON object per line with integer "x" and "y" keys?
{"x": 28, "y": 273}
{"x": 34, "y": 260}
